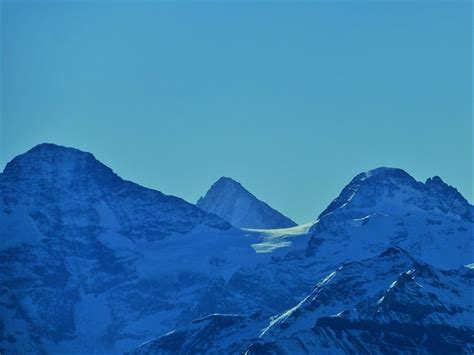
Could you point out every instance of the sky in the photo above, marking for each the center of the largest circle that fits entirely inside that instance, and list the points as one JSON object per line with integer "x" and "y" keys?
{"x": 290, "y": 99}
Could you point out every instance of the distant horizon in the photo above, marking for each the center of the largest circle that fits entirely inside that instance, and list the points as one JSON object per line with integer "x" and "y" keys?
{"x": 290, "y": 99}
{"x": 232, "y": 178}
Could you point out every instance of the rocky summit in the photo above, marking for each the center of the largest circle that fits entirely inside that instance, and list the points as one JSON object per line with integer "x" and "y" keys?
{"x": 229, "y": 200}
{"x": 92, "y": 263}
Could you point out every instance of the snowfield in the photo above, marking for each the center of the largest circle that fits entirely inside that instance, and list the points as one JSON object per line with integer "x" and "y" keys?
{"x": 92, "y": 263}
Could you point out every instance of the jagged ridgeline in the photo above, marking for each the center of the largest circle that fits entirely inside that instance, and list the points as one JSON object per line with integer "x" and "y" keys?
{"x": 92, "y": 263}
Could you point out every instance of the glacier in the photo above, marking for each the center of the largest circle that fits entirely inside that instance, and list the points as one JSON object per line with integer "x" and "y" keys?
{"x": 92, "y": 263}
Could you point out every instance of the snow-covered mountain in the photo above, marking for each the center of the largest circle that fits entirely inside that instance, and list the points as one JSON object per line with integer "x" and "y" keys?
{"x": 386, "y": 206}
{"x": 92, "y": 262}
{"x": 383, "y": 219}
{"x": 390, "y": 303}
{"x": 229, "y": 200}
{"x": 355, "y": 250}
{"x": 57, "y": 186}
{"x": 394, "y": 191}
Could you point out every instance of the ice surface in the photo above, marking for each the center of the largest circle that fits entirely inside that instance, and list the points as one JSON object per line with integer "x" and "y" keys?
{"x": 92, "y": 262}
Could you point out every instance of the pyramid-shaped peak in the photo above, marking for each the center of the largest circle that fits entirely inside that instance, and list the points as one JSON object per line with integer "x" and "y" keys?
{"x": 227, "y": 181}
{"x": 231, "y": 201}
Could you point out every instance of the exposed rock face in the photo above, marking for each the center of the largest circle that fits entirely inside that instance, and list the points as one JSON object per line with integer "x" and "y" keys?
{"x": 388, "y": 303}
{"x": 391, "y": 190}
{"x": 80, "y": 246}
{"x": 231, "y": 201}
{"x": 92, "y": 262}
{"x": 386, "y": 207}
{"x": 66, "y": 188}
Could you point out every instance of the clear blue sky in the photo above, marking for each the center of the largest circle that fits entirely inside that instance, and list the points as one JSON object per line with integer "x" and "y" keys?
{"x": 292, "y": 100}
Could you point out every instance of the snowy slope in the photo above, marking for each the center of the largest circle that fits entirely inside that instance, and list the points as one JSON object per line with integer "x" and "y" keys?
{"x": 63, "y": 185}
{"x": 386, "y": 206}
{"x": 273, "y": 240}
{"x": 94, "y": 262}
{"x": 223, "y": 333}
{"x": 229, "y": 200}
{"x": 391, "y": 303}
{"x": 384, "y": 218}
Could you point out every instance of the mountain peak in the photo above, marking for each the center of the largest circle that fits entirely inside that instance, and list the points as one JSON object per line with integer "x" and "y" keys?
{"x": 227, "y": 182}
{"x": 56, "y": 163}
{"x": 435, "y": 183}
{"x": 50, "y": 153}
{"x": 384, "y": 173}
{"x": 76, "y": 186}
{"x": 229, "y": 200}
{"x": 367, "y": 188}
{"x": 52, "y": 147}
{"x": 224, "y": 185}
{"x": 388, "y": 190}
{"x": 435, "y": 180}
{"x": 48, "y": 150}
{"x": 387, "y": 171}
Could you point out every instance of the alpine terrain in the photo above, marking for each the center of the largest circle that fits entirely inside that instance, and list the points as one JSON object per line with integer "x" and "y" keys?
{"x": 92, "y": 263}
{"x": 229, "y": 200}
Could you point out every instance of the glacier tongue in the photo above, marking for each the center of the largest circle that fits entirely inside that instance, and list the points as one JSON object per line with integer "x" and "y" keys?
{"x": 92, "y": 262}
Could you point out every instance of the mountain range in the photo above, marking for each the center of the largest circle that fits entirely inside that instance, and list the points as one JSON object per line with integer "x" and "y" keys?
{"x": 391, "y": 303}
{"x": 92, "y": 263}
